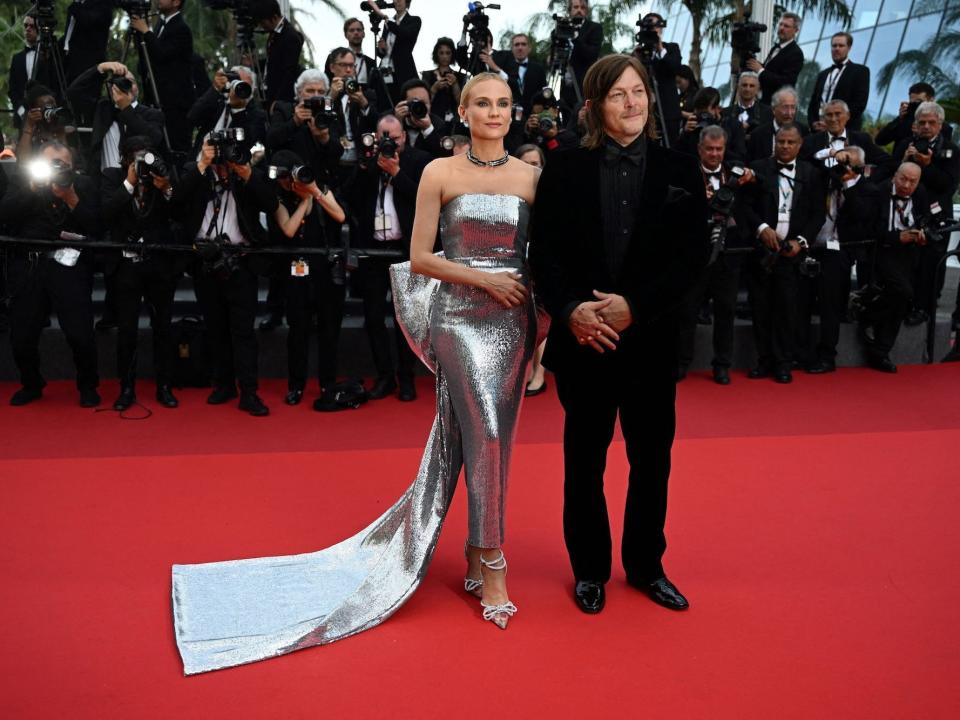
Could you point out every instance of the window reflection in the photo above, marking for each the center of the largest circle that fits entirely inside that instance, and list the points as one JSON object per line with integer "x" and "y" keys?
{"x": 886, "y": 41}
{"x": 897, "y": 9}
{"x": 866, "y": 13}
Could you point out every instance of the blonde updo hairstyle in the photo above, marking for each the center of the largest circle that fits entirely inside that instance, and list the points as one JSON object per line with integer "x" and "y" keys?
{"x": 476, "y": 80}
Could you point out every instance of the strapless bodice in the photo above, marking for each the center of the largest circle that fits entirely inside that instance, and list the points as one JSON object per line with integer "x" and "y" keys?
{"x": 478, "y": 229}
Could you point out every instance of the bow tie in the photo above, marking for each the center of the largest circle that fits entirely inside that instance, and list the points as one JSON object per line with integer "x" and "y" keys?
{"x": 785, "y": 166}
{"x": 838, "y": 138}
{"x": 523, "y": 64}
{"x": 839, "y": 65}
{"x": 30, "y": 49}
{"x": 718, "y": 174}
{"x": 634, "y": 152}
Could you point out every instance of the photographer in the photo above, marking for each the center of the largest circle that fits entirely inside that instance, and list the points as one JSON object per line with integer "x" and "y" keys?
{"x": 763, "y": 140}
{"x": 366, "y": 71}
{"x": 939, "y": 160}
{"x": 542, "y": 127}
{"x": 424, "y": 129}
{"x": 136, "y": 199}
{"x": 22, "y": 67}
{"x": 664, "y": 60}
{"x": 170, "y": 47}
{"x": 844, "y": 80}
{"x": 53, "y": 199}
{"x": 116, "y": 116}
{"x": 230, "y": 101}
{"x": 722, "y": 182}
{"x": 784, "y": 211}
{"x": 395, "y": 47}
{"x": 282, "y": 65}
{"x": 783, "y": 63}
{"x": 444, "y": 82}
{"x": 823, "y": 145}
{"x": 706, "y": 111}
{"x": 901, "y": 127}
{"x": 526, "y": 77}
{"x": 387, "y": 200}
{"x": 43, "y": 121}
{"x": 746, "y": 107}
{"x": 313, "y": 283}
{"x": 586, "y": 50}
{"x": 84, "y": 41}
{"x": 355, "y": 108}
{"x": 219, "y": 201}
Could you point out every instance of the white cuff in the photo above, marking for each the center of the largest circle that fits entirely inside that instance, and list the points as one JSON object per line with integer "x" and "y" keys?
{"x": 763, "y": 226}
{"x": 428, "y": 132}
{"x": 504, "y": 76}
{"x": 130, "y": 188}
{"x": 851, "y": 182}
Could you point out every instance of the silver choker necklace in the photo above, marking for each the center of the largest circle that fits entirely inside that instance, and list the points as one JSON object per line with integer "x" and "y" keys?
{"x": 487, "y": 163}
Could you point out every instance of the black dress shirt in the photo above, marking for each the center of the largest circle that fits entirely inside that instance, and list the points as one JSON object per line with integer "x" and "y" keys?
{"x": 621, "y": 182}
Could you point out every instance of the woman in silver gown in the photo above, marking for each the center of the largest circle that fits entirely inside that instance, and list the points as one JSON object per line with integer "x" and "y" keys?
{"x": 472, "y": 320}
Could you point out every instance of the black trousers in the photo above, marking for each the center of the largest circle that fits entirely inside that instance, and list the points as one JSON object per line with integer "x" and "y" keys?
{"x": 826, "y": 295}
{"x": 645, "y": 403}
{"x": 304, "y": 296}
{"x": 230, "y": 308}
{"x": 895, "y": 271}
{"x": 136, "y": 283}
{"x": 35, "y": 285}
{"x": 720, "y": 282}
{"x": 179, "y": 128}
{"x": 374, "y": 278}
{"x": 930, "y": 276}
{"x": 773, "y": 297}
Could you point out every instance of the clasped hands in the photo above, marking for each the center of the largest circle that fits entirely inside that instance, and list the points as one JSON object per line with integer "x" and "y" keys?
{"x": 598, "y": 323}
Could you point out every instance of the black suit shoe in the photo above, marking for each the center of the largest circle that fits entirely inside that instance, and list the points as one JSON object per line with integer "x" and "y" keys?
{"x": 251, "y": 403}
{"x": 721, "y": 376}
{"x": 220, "y": 395}
{"x": 783, "y": 376}
{"x": 408, "y": 391}
{"x": 127, "y": 398}
{"x": 883, "y": 363}
{"x": 166, "y": 397}
{"x": 25, "y": 395}
{"x": 821, "y": 366}
{"x": 663, "y": 592}
{"x": 590, "y": 596}
{"x": 89, "y": 398}
{"x": 293, "y": 397}
{"x": 271, "y": 323}
{"x": 382, "y": 387}
{"x": 760, "y": 371}
{"x": 916, "y": 317}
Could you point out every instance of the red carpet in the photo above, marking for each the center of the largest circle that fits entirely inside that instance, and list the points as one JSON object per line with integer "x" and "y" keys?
{"x": 813, "y": 527}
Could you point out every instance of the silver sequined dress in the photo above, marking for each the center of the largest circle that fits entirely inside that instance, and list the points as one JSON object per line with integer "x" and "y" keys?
{"x": 240, "y": 611}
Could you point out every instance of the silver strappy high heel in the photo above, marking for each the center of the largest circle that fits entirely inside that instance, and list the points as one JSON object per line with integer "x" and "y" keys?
{"x": 500, "y": 614}
{"x": 474, "y": 586}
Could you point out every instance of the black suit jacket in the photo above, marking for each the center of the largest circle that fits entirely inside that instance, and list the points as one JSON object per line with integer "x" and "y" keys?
{"x": 171, "y": 56}
{"x": 405, "y": 185}
{"x": 818, "y": 141}
{"x": 666, "y": 256}
{"x": 17, "y": 82}
{"x": 761, "y": 199}
{"x": 902, "y": 127}
{"x": 534, "y": 80}
{"x": 88, "y": 43}
{"x": 941, "y": 176}
{"x": 27, "y": 213}
{"x": 758, "y": 114}
{"x": 406, "y": 33}
{"x": 781, "y": 70}
{"x": 442, "y": 103}
{"x": 853, "y": 88}
{"x": 432, "y": 144}
{"x": 283, "y": 64}
{"x": 208, "y": 108}
{"x": 285, "y": 134}
{"x": 665, "y": 69}
{"x": 375, "y": 81}
{"x": 736, "y": 140}
{"x": 760, "y": 142}
{"x": 586, "y": 49}
{"x": 359, "y": 123}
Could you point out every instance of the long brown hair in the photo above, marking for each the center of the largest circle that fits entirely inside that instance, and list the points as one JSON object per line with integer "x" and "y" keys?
{"x": 600, "y": 78}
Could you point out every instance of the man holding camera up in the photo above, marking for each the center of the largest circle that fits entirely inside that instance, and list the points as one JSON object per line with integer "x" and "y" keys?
{"x": 387, "y": 197}
{"x": 136, "y": 205}
{"x": 230, "y": 102}
{"x": 783, "y": 63}
{"x": 424, "y": 129}
{"x": 219, "y": 201}
{"x": 43, "y": 121}
{"x": 901, "y": 127}
{"x": 586, "y": 51}
{"x": 543, "y": 124}
{"x": 395, "y": 47}
{"x": 706, "y": 111}
{"x": 170, "y": 47}
{"x": 784, "y": 211}
{"x": 664, "y": 60}
{"x": 284, "y": 44}
{"x": 355, "y": 108}
{"x": 53, "y": 200}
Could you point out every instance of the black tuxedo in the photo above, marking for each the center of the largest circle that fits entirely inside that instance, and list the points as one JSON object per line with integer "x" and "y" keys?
{"x": 902, "y": 127}
{"x": 758, "y": 115}
{"x": 665, "y": 255}
{"x": 781, "y": 70}
{"x": 208, "y": 109}
{"x": 171, "y": 55}
{"x": 534, "y": 79}
{"x": 853, "y": 87}
{"x": 404, "y": 68}
{"x": 736, "y": 151}
{"x": 442, "y": 103}
{"x": 586, "y": 51}
{"x": 882, "y": 162}
{"x": 88, "y": 43}
{"x": 285, "y": 134}
{"x": 17, "y": 81}
{"x": 760, "y": 144}
{"x": 283, "y": 64}
{"x": 374, "y": 80}
{"x": 430, "y": 144}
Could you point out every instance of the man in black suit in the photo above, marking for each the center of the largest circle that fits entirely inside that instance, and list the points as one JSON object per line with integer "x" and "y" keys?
{"x": 783, "y": 63}
{"x": 136, "y": 210}
{"x": 784, "y": 210}
{"x": 665, "y": 63}
{"x": 618, "y": 239}
{"x": 844, "y": 80}
{"x": 356, "y": 113}
{"x": 424, "y": 129}
{"x": 706, "y": 111}
{"x": 115, "y": 117}
{"x": 746, "y": 107}
{"x": 550, "y": 136}
{"x": 387, "y": 200}
{"x": 395, "y": 47}
{"x": 221, "y": 107}
{"x": 170, "y": 46}
{"x": 526, "y": 77}
{"x": 22, "y": 66}
{"x": 219, "y": 203}
{"x": 763, "y": 140}
{"x": 836, "y": 135}
{"x": 61, "y": 278}
{"x": 586, "y": 50}
{"x": 366, "y": 71}
{"x": 901, "y": 127}
{"x": 284, "y": 43}
{"x": 84, "y": 41}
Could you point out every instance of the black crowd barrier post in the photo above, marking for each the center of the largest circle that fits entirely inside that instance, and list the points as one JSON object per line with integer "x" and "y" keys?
{"x": 934, "y": 297}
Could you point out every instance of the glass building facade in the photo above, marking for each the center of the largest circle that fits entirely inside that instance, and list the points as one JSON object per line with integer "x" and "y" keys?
{"x": 880, "y": 28}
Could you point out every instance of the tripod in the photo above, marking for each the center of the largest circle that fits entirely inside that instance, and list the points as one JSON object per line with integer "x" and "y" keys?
{"x": 375, "y": 29}
{"x": 646, "y": 58}
{"x": 48, "y": 52}
{"x": 145, "y": 54}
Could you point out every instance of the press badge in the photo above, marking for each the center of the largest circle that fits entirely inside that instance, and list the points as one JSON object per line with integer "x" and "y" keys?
{"x": 67, "y": 256}
{"x": 299, "y": 268}
{"x": 382, "y": 223}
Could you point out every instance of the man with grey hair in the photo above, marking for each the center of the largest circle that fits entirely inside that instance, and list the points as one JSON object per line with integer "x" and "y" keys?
{"x": 823, "y": 145}
{"x": 746, "y": 107}
{"x": 784, "y": 61}
{"x": 230, "y": 101}
{"x": 939, "y": 161}
{"x": 784, "y": 105}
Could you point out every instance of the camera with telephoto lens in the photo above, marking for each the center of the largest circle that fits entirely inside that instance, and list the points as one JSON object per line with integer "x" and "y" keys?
{"x": 322, "y": 108}
{"x": 837, "y": 172}
{"x": 135, "y": 8}
{"x": 382, "y": 4}
{"x": 745, "y": 39}
{"x": 647, "y": 37}
{"x": 239, "y": 87}
{"x": 148, "y": 164}
{"x": 808, "y": 267}
{"x": 44, "y": 173}
{"x": 216, "y": 258}
{"x": 417, "y": 108}
{"x": 54, "y": 116}
{"x": 545, "y": 122}
{"x": 448, "y": 143}
{"x": 351, "y": 85}
{"x": 229, "y": 146}
{"x": 373, "y": 146}
{"x": 566, "y": 29}
{"x": 721, "y": 209}
{"x": 298, "y": 173}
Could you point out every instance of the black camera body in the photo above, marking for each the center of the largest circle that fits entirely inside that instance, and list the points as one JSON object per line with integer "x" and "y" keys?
{"x": 229, "y": 146}
{"x": 239, "y": 87}
{"x": 148, "y": 164}
{"x": 373, "y": 146}
{"x": 135, "y": 8}
{"x": 302, "y": 174}
{"x": 566, "y": 28}
{"x": 122, "y": 82}
{"x": 704, "y": 119}
{"x": 321, "y": 107}
{"x": 837, "y": 172}
{"x": 351, "y": 85}
{"x": 56, "y": 116}
{"x": 745, "y": 39}
{"x": 216, "y": 260}
{"x": 382, "y": 4}
{"x": 721, "y": 208}
{"x": 44, "y": 173}
{"x": 417, "y": 108}
{"x": 647, "y": 37}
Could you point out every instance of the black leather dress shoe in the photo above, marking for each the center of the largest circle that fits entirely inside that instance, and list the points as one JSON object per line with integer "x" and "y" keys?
{"x": 590, "y": 596}
{"x": 220, "y": 395}
{"x": 166, "y": 397}
{"x": 916, "y": 317}
{"x": 882, "y": 363}
{"x": 821, "y": 366}
{"x": 127, "y": 398}
{"x": 783, "y": 376}
{"x": 250, "y": 402}
{"x": 293, "y": 397}
{"x": 721, "y": 376}
{"x": 760, "y": 371}
{"x": 408, "y": 391}
{"x": 663, "y": 592}
{"x": 382, "y": 387}
{"x": 89, "y": 398}
{"x": 25, "y": 395}
{"x": 271, "y": 323}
